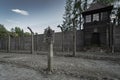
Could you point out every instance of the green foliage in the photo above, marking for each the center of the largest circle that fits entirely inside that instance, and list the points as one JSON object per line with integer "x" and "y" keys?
{"x": 77, "y": 12}
{"x": 15, "y": 32}
{"x": 118, "y": 13}
{"x": 84, "y": 4}
{"x": 27, "y": 34}
{"x": 67, "y": 16}
{"x": 72, "y": 8}
{"x": 18, "y": 32}
{"x": 3, "y": 31}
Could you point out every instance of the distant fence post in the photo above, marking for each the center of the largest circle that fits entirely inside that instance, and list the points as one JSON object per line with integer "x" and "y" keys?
{"x": 32, "y": 40}
{"x": 9, "y": 43}
{"x": 63, "y": 32}
{"x": 36, "y": 39}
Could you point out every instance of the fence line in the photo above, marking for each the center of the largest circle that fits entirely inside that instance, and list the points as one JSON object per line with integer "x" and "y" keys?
{"x": 24, "y": 43}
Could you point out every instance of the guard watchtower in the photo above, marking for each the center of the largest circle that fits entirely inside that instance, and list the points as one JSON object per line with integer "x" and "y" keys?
{"x": 97, "y": 27}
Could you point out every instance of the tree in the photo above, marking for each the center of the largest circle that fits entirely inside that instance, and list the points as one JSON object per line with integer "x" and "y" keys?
{"x": 17, "y": 32}
{"x": 77, "y": 11}
{"x": 85, "y": 4}
{"x": 67, "y": 22}
{"x": 118, "y": 14}
{"x": 67, "y": 16}
{"x": 3, "y": 31}
{"x": 27, "y": 34}
{"x": 73, "y": 8}
{"x": 12, "y": 32}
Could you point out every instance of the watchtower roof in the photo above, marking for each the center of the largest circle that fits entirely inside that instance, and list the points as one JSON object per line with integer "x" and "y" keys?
{"x": 97, "y": 7}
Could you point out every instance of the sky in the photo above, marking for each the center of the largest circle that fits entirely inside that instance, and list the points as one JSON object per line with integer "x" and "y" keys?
{"x": 37, "y": 14}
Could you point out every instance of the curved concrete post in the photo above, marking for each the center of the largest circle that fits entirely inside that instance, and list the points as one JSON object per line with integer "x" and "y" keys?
{"x": 62, "y": 43}
{"x": 32, "y": 40}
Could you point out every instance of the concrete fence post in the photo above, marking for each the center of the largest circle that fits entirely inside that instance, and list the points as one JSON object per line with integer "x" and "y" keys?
{"x": 32, "y": 40}
{"x": 74, "y": 37}
{"x": 9, "y": 43}
{"x": 49, "y": 39}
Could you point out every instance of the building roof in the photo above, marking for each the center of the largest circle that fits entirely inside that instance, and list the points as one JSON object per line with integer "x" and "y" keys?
{"x": 97, "y": 7}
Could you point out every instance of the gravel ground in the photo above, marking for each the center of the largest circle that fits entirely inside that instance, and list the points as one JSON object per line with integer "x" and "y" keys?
{"x": 64, "y": 68}
{"x": 12, "y": 72}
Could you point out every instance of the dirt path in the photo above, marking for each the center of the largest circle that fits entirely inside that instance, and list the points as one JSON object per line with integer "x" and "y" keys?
{"x": 12, "y": 72}
{"x": 66, "y": 68}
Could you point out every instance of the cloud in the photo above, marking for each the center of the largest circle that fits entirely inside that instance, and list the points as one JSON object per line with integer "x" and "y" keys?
{"x": 22, "y": 12}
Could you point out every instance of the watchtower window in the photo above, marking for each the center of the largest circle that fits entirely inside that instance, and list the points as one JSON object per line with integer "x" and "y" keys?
{"x": 96, "y": 17}
{"x": 88, "y": 18}
{"x": 104, "y": 16}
